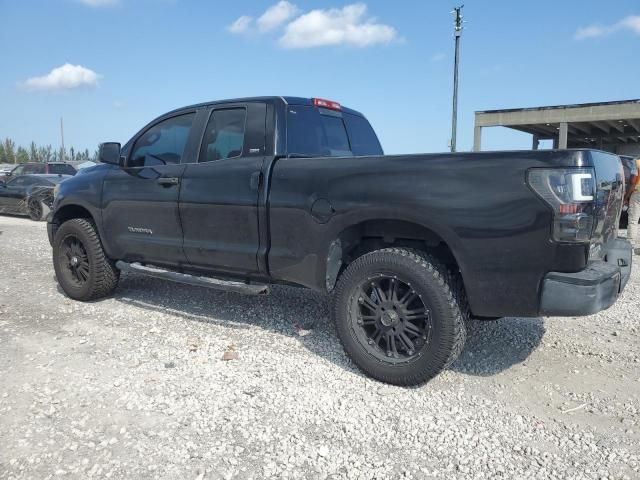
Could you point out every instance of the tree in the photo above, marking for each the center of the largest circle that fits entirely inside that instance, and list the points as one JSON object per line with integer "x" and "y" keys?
{"x": 10, "y": 150}
{"x": 12, "y": 153}
{"x": 22, "y": 156}
{"x": 44, "y": 153}
{"x": 33, "y": 153}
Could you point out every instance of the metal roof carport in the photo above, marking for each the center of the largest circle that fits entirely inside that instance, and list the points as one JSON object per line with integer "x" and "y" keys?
{"x": 610, "y": 126}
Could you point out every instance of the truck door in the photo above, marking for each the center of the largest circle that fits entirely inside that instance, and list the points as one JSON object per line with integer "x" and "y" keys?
{"x": 219, "y": 194}
{"x": 140, "y": 200}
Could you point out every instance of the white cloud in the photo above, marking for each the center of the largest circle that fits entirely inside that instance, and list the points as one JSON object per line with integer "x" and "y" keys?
{"x": 591, "y": 32}
{"x": 345, "y": 26}
{"x": 241, "y": 25}
{"x": 630, "y": 24}
{"x": 276, "y": 15}
{"x": 349, "y": 25}
{"x": 99, "y": 3}
{"x": 64, "y": 77}
{"x": 438, "y": 57}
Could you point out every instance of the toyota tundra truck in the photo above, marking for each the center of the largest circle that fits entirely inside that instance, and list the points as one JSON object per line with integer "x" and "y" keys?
{"x": 241, "y": 194}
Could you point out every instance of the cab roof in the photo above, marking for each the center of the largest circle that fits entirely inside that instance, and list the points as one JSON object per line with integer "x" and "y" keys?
{"x": 267, "y": 99}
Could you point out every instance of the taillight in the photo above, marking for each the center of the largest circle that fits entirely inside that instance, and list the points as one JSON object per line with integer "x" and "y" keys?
{"x": 571, "y": 193}
{"x": 330, "y": 104}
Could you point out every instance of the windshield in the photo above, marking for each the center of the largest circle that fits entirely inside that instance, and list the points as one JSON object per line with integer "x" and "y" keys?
{"x": 315, "y": 132}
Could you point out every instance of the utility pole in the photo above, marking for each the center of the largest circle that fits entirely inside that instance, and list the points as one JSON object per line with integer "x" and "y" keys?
{"x": 457, "y": 12}
{"x": 62, "y": 138}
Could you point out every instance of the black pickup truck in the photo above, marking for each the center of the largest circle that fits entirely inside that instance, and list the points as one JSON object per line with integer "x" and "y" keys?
{"x": 240, "y": 194}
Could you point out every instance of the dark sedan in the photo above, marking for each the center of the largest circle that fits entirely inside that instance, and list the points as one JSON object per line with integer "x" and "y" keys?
{"x": 30, "y": 195}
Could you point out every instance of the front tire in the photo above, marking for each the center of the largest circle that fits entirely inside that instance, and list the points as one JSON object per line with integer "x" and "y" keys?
{"x": 400, "y": 315}
{"x": 82, "y": 268}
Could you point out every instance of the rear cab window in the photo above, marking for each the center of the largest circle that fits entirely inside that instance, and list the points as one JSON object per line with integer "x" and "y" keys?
{"x": 319, "y": 132}
{"x": 362, "y": 138}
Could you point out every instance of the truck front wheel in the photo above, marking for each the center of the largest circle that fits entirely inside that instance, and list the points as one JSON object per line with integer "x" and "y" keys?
{"x": 82, "y": 268}
{"x": 400, "y": 315}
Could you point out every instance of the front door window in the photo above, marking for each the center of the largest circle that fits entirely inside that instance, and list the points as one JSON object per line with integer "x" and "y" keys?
{"x": 162, "y": 144}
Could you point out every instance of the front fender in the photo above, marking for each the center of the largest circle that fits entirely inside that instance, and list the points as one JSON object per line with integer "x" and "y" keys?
{"x": 79, "y": 196}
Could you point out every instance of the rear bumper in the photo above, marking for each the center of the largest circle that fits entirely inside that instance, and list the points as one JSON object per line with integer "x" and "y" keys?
{"x": 591, "y": 290}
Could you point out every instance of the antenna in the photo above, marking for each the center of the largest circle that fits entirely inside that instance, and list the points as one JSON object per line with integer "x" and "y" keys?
{"x": 457, "y": 32}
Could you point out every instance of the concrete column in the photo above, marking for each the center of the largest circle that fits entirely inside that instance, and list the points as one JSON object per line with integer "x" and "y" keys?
{"x": 564, "y": 133}
{"x": 536, "y": 142}
{"x": 477, "y": 138}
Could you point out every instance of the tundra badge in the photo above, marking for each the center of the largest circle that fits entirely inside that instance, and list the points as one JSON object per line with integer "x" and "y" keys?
{"x": 147, "y": 231}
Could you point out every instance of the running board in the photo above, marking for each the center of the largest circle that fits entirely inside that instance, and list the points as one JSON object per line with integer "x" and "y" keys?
{"x": 209, "y": 282}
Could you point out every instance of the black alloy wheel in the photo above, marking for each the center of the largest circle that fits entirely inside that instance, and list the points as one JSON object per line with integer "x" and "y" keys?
{"x": 82, "y": 267}
{"x": 74, "y": 260}
{"x": 390, "y": 319}
{"x": 399, "y": 314}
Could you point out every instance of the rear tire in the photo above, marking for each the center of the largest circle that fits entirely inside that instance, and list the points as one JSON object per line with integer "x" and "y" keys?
{"x": 83, "y": 270}
{"x": 400, "y": 315}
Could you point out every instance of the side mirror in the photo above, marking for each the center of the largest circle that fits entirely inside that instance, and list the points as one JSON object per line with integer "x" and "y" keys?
{"x": 109, "y": 152}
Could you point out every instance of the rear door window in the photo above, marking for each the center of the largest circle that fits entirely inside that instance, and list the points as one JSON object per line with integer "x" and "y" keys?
{"x": 316, "y": 132}
{"x": 224, "y": 136}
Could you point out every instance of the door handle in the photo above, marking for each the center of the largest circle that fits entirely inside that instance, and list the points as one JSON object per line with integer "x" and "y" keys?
{"x": 255, "y": 180}
{"x": 168, "y": 181}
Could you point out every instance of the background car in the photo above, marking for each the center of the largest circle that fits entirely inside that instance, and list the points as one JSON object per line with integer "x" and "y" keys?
{"x": 630, "y": 169}
{"x": 54, "y": 168}
{"x": 30, "y": 195}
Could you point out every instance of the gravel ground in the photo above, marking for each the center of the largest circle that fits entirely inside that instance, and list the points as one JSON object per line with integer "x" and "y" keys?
{"x": 170, "y": 381}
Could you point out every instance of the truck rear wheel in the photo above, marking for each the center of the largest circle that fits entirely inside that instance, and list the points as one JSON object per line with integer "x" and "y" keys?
{"x": 400, "y": 315}
{"x": 82, "y": 268}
